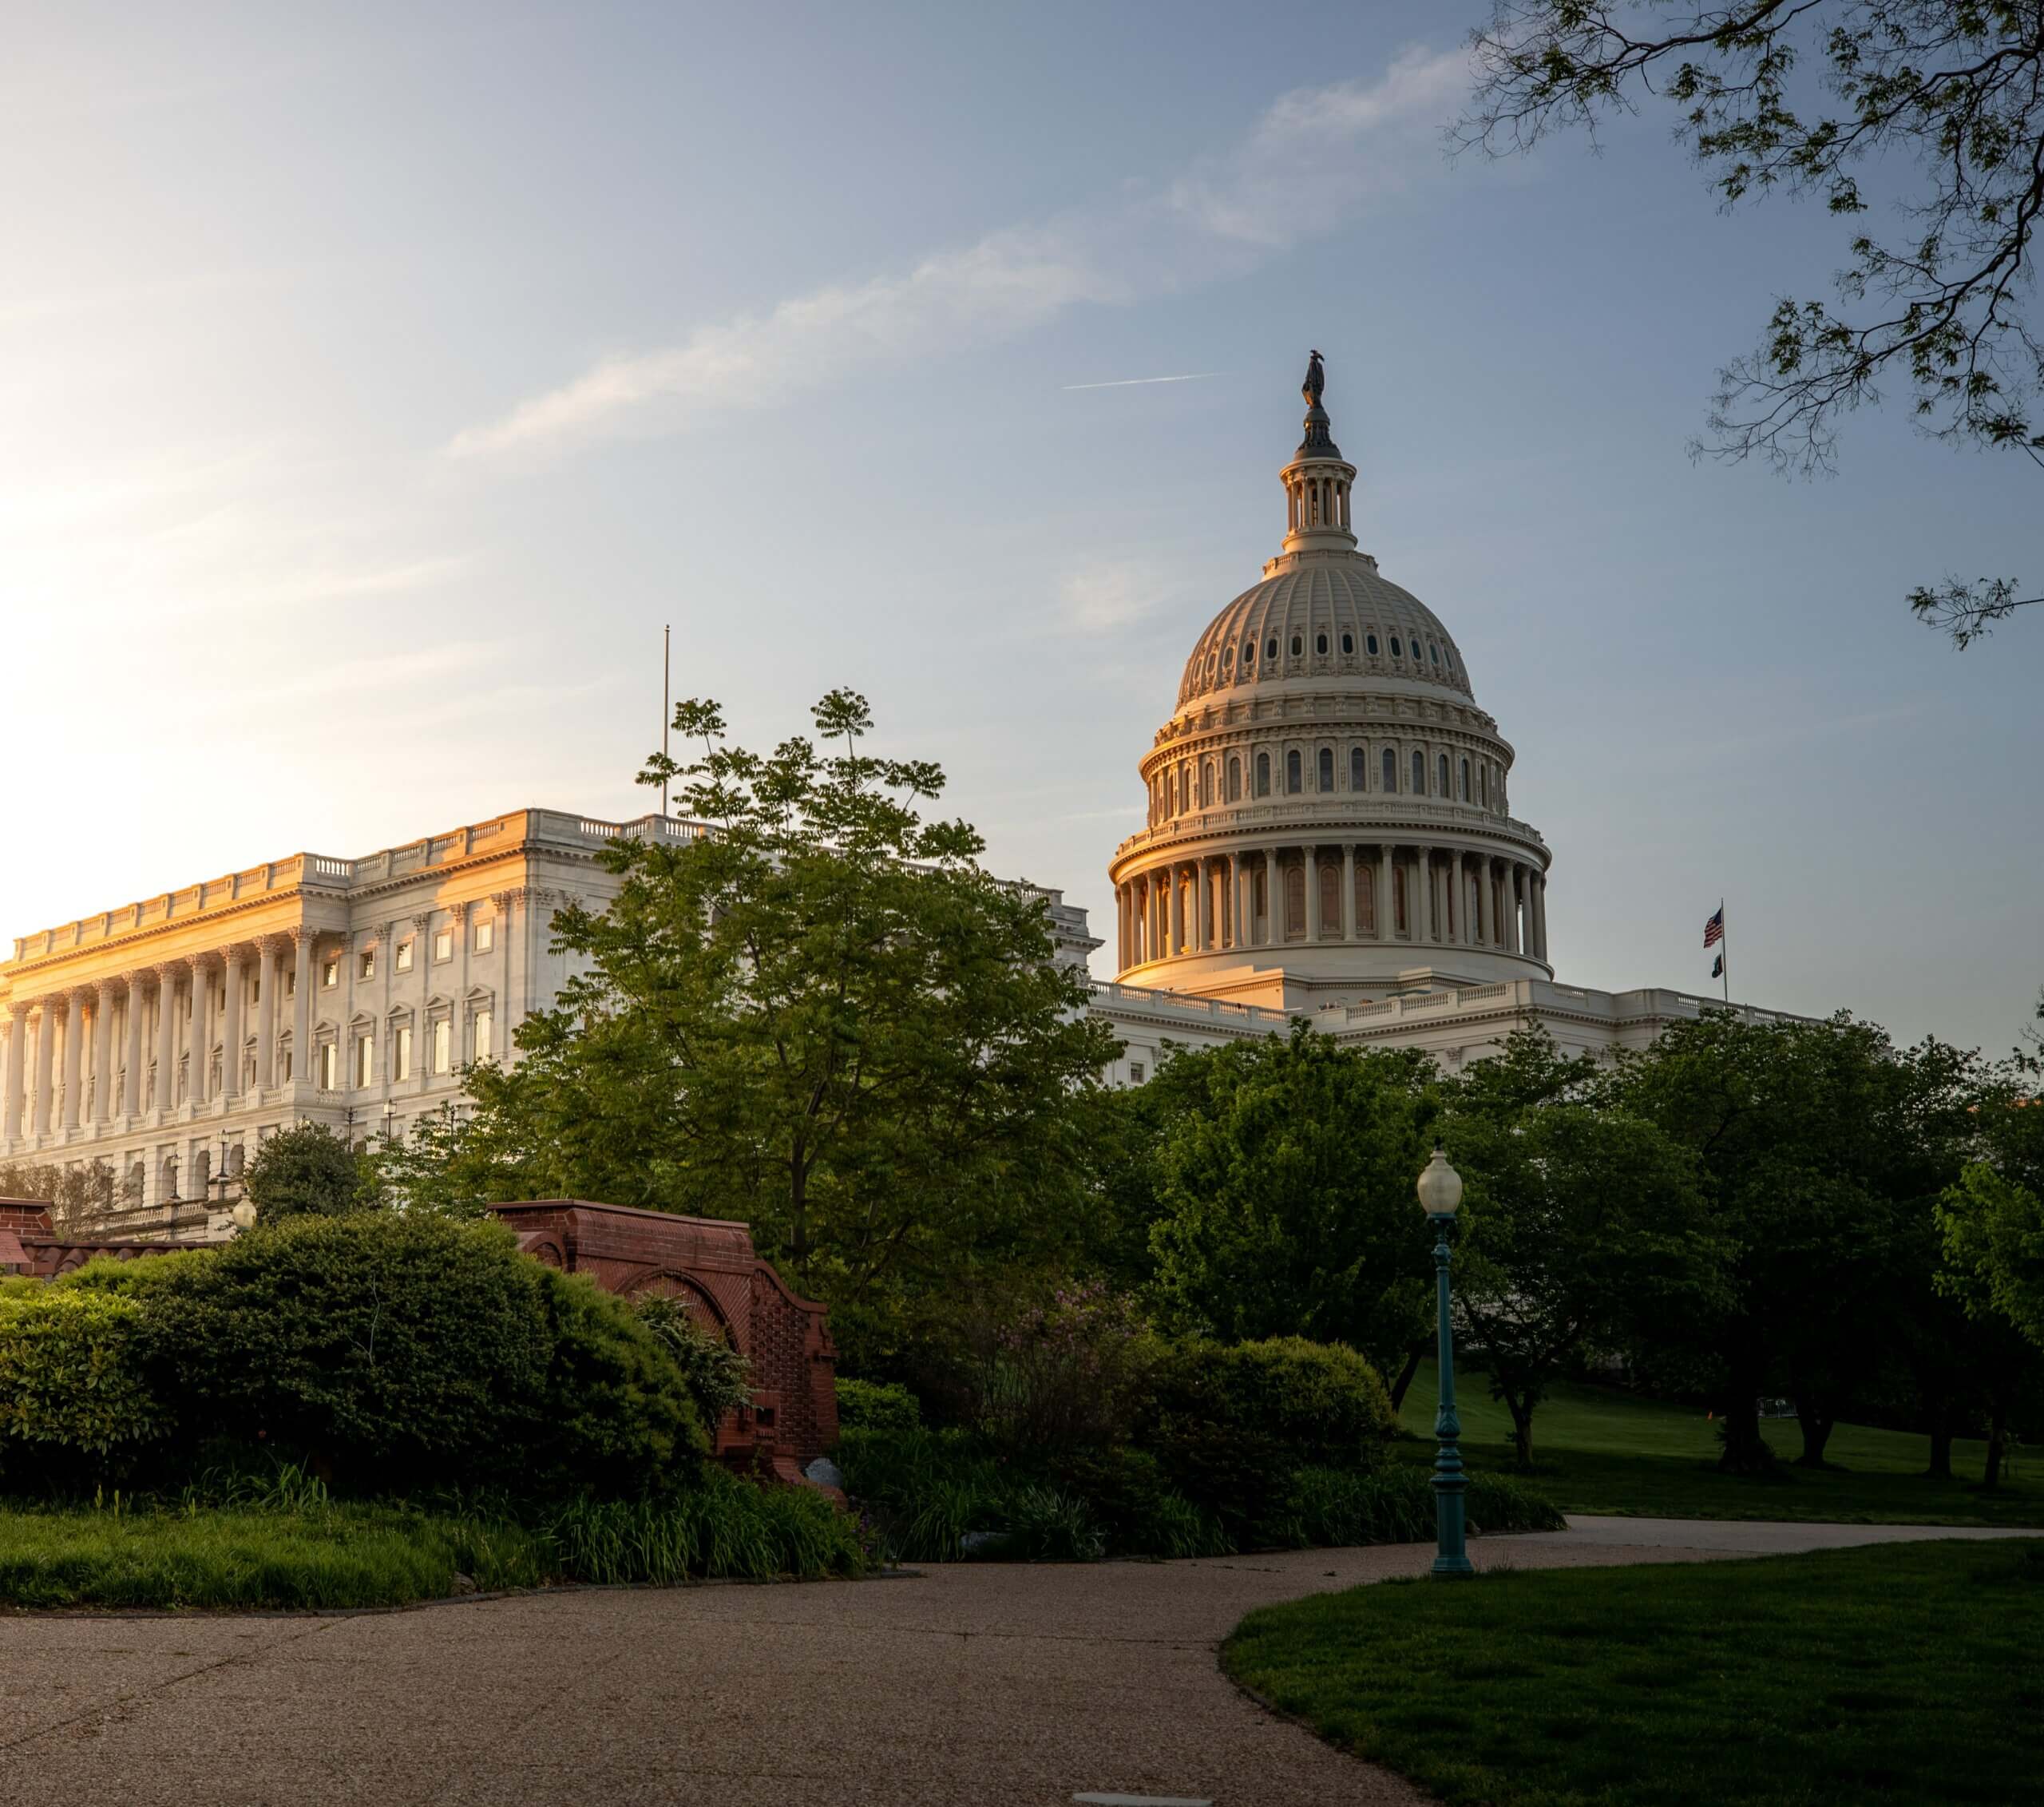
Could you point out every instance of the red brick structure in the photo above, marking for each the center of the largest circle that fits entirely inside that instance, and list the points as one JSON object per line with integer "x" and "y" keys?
{"x": 707, "y": 1264}
{"x": 710, "y": 1267}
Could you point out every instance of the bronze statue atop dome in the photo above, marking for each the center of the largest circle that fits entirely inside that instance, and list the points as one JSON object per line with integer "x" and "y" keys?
{"x": 1316, "y": 382}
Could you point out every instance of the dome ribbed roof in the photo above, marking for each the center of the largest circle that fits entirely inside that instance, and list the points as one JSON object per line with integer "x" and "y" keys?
{"x": 1321, "y": 598}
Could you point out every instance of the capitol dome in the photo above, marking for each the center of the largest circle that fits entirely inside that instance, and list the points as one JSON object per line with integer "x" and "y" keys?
{"x": 1328, "y": 818}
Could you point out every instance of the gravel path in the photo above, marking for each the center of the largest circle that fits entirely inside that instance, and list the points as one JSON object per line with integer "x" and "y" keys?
{"x": 981, "y": 1685}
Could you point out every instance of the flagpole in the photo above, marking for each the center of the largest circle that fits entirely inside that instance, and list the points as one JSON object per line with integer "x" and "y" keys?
{"x": 667, "y": 702}
{"x": 1724, "y": 953}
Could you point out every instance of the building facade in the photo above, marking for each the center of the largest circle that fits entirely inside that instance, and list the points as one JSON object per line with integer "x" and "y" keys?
{"x": 166, "y": 1037}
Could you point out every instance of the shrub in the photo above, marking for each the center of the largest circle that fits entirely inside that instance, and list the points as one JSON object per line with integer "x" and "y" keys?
{"x": 718, "y": 1377}
{"x": 725, "y": 1528}
{"x": 72, "y": 1381}
{"x": 307, "y": 1171}
{"x": 1140, "y": 1512}
{"x": 1231, "y": 1422}
{"x": 1062, "y": 1375}
{"x": 130, "y": 1277}
{"x": 876, "y": 1405}
{"x": 615, "y": 1417}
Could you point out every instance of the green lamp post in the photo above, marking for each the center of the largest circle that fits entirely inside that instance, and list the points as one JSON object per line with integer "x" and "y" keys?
{"x": 1440, "y": 1192}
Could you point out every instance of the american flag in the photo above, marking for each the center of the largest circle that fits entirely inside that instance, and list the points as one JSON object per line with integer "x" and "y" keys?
{"x": 1714, "y": 930}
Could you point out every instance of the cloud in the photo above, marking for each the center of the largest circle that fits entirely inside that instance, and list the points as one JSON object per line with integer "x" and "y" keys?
{"x": 1137, "y": 382}
{"x": 1316, "y": 158}
{"x": 1102, "y": 597}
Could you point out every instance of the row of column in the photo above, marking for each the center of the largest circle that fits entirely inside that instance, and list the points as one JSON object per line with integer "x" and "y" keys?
{"x": 1420, "y": 894}
{"x": 151, "y": 995}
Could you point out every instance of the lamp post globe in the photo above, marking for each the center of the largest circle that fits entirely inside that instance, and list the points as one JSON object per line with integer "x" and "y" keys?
{"x": 1440, "y": 1196}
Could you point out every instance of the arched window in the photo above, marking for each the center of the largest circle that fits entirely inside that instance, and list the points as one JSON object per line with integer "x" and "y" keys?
{"x": 1295, "y": 900}
{"x": 1248, "y": 652}
{"x": 1433, "y": 652}
{"x": 1294, "y": 773}
{"x": 1390, "y": 769}
{"x": 1441, "y": 770}
{"x": 1319, "y": 645}
{"x": 1327, "y": 768}
{"x": 1270, "y": 648}
{"x": 1483, "y": 782}
{"x": 1263, "y": 775}
{"x": 1356, "y": 770}
{"x": 1234, "y": 780}
{"x": 1365, "y": 898}
{"x": 1348, "y": 644}
{"x": 1207, "y": 799}
{"x": 1369, "y": 641}
{"x": 1418, "y": 773}
{"x": 1395, "y": 652}
{"x": 1329, "y": 877}
{"x": 1228, "y": 658}
{"x": 1298, "y": 646}
{"x": 1400, "y": 915}
{"x": 1465, "y": 781}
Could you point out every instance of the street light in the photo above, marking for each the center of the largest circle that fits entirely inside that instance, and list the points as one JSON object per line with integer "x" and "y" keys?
{"x": 1440, "y": 1192}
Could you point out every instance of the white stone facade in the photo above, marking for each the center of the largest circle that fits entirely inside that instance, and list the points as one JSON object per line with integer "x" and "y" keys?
{"x": 165, "y": 1037}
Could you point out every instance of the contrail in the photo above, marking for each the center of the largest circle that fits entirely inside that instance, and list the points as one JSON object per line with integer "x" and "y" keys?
{"x": 1134, "y": 381}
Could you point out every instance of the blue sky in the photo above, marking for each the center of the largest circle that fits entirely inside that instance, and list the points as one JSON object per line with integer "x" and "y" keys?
{"x": 375, "y": 382}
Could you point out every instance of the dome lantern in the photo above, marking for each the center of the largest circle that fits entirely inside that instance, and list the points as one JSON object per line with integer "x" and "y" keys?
{"x": 1318, "y": 480}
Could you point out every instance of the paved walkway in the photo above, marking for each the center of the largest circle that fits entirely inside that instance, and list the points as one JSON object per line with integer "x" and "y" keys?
{"x": 982, "y": 1686}
{"x": 1750, "y": 1537}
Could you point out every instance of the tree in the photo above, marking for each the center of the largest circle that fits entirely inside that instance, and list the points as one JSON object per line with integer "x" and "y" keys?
{"x": 1810, "y": 1139}
{"x": 1284, "y": 1185}
{"x": 306, "y": 1170}
{"x": 822, "y": 1018}
{"x": 73, "y": 1194}
{"x": 1952, "y": 90}
{"x": 1582, "y": 1225}
{"x": 1993, "y": 1218}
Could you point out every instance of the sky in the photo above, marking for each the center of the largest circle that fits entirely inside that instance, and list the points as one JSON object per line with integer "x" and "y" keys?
{"x": 376, "y": 382}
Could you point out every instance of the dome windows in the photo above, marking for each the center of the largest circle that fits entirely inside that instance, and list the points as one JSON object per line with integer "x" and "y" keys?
{"x": 1465, "y": 781}
{"x": 1418, "y": 773}
{"x": 1357, "y": 768}
{"x": 1228, "y": 659}
{"x": 1298, "y": 646}
{"x": 1397, "y": 652}
{"x": 1370, "y": 642}
{"x": 1433, "y": 652}
{"x": 1249, "y": 654}
{"x": 1294, "y": 773}
{"x": 1326, "y": 768}
{"x": 1441, "y": 772}
{"x": 1270, "y": 648}
{"x": 1390, "y": 769}
{"x": 1319, "y": 645}
{"x": 1348, "y": 645}
{"x": 1263, "y": 775}
{"x": 1235, "y": 779}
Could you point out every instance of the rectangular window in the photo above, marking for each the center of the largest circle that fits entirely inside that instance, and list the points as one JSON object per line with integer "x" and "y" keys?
{"x": 400, "y": 1053}
{"x": 443, "y": 945}
{"x": 483, "y": 1049}
{"x": 330, "y": 1065}
{"x": 486, "y": 936}
{"x": 404, "y": 961}
{"x": 283, "y": 1061}
{"x": 290, "y": 985}
{"x": 1136, "y": 1072}
{"x": 367, "y": 968}
{"x": 330, "y": 973}
{"x": 365, "y": 1060}
{"x": 443, "y": 1044}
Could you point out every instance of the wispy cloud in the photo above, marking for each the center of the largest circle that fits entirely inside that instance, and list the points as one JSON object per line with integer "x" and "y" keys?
{"x": 1317, "y": 159}
{"x": 1102, "y": 597}
{"x": 1137, "y": 382}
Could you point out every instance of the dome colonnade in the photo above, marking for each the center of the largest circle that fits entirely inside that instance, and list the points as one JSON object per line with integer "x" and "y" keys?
{"x": 1327, "y": 796}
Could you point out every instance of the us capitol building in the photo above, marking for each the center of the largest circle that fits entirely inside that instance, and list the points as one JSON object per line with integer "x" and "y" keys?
{"x": 1329, "y": 836}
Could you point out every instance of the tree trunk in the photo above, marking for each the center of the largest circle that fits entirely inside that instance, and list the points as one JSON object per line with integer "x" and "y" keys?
{"x": 1817, "y": 1427}
{"x": 1414, "y": 1356}
{"x": 1940, "y": 1468}
{"x": 1745, "y": 1451}
{"x": 1522, "y": 1430}
{"x": 1998, "y": 1437}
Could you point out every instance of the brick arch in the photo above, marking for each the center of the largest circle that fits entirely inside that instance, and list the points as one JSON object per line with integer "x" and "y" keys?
{"x": 704, "y": 1311}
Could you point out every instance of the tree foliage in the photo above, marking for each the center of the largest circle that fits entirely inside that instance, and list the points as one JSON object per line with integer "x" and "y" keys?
{"x": 1581, "y": 1226}
{"x": 1943, "y": 98}
{"x": 1284, "y": 1193}
{"x": 73, "y": 1194}
{"x": 822, "y": 1018}
{"x": 306, "y": 1170}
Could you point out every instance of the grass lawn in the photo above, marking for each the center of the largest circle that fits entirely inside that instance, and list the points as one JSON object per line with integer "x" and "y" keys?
{"x": 1596, "y": 1449}
{"x": 327, "y": 1556}
{"x": 1902, "y": 1674}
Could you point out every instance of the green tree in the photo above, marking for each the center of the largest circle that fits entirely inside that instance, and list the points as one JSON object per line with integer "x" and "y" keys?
{"x": 1813, "y": 1141}
{"x": 306, "y": 1170}
{"x": 1284, "y": 1187}
{"x": 1581, "y": 1226}
{"x": 1942, "y": 101}
{"x": 822, "y": 1018}
{"x": 1992, "y": 1219}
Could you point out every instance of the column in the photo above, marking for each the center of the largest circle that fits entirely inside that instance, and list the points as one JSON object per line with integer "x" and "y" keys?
{"x": 103, "y": 1052}
{"x": 1485, "y": 907}
{"x": 1312, "y": 894}
{"x": 1177, "y": 930}
{"x": 231, "y": 1026}
{"x": 17, "y": 1068}
{"x": 74, "y": 1040}
{"x": 45, "y": 1056}
{"x": 1348, "y": 891}
{"x": 196, "y": 1047}
{"x": 1380, "y": 877}
{"x": 301, "y": 1007}
{"x": 1540, "y": 915}
{"x": 1233, "y": 866}
{"x": 1423, "y": 895}
{"x": 166, "y": 1096}
{"x": 1271, "y": 937}
{"x": 1203, "y": 873}
{"x": 131, "y": 1082}
{"x": 268, "y": 973}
